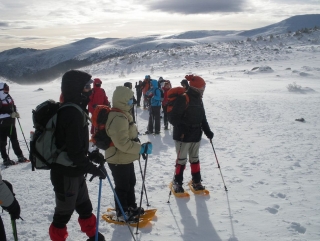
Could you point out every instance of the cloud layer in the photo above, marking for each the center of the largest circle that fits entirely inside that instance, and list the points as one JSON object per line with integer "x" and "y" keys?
{"x": 198, "y": 7}
{"x": 53, "y": 22}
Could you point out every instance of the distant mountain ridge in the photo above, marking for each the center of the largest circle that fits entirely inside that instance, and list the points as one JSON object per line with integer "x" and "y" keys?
{"x": 26, "y": 66}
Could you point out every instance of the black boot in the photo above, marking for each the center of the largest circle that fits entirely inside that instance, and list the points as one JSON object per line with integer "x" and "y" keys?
{"x": 100, "y": 237}
{"x": 8, "y": 162}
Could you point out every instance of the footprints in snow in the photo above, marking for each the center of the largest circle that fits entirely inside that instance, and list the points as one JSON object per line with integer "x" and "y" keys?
{"x": 274, "y": 209}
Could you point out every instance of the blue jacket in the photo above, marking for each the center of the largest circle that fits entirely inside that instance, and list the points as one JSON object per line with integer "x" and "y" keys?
{"x": 156, "y": 92}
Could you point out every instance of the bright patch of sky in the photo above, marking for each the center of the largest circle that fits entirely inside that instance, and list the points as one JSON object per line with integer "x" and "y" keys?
{"x": 46, "y": 24}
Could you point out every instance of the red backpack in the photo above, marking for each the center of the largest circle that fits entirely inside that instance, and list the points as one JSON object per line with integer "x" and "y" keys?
{"x": 99, "y": 119}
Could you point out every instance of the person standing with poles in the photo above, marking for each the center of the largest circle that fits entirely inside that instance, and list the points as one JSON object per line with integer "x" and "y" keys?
{"x": 72, "y": 136}
{"x": 123, "y": 151}
{"x": 9, "y": 203}
{"x": 129, "y": 85}
{"x": 138, "y": 92}
{"x": 189, "y": 121}
{"x": 98, "y": 97}
{"x": 154, "y": 110}
{"x": 165, "y": 88}
{"x": 8, "y": 113}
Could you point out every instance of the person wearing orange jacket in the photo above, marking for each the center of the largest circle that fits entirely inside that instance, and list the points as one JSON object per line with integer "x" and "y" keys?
{"x": 98, "y": 97}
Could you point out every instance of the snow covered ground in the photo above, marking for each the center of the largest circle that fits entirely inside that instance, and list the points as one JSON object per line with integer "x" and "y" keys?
{"x": 269, "y": 161}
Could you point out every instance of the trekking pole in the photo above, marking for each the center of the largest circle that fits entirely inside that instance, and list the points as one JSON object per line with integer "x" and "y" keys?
{"x": 98, "y": 211}
{"x": 225, "y": 188}
{"x": 120, "y": 207}
{"x": 178, "y": 155}
{"x": 23, "y": 135}
{"x": 9, "y": 140}
{"x": 144, "y": 186}
{"x": 14, "y": 229}
{"x": 143, "y": 180}
{"x": 136, "y": 112}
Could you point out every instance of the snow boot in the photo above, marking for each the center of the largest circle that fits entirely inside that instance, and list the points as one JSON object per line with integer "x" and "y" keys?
{"x": 135, "y": 211}
{"x": 8, "y": 162}
{"x": 100, "y": 237}
{"x": 22, "y": 159}
{"x": 177, "y": 187}
{"x": 198, "y": 186}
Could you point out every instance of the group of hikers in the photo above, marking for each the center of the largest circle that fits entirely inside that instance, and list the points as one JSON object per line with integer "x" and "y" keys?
{"x": 187, "y": 116}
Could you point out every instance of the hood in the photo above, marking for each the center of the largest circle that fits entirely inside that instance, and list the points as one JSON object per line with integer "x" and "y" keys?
{"x": 2, "y": 94}
{"x": 72, "y": 85}
{"x": 120, "y": 98}
{"x": 154, "y": 83}
{"x": 97, "y": 81}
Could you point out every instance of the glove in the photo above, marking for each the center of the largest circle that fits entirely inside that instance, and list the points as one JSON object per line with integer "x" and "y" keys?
{"x": 210, "y": 135}
{"x": 96, "y": 157}
{"x": 146, "y": 148}
{"x": 99, "y": 171}
{"x": 13, "y": 209}
{"x": 15, "y": 115}
{"x": 94, "y": 106}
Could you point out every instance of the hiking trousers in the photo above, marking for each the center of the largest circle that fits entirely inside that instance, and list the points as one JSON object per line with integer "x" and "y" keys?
{"x": 184, "y": 149}
{"x": 124, "y": 181}
{"x": 71, "y": 194}
{"x": 10, "y": 132}
{"x": 187, "y": 148}
{"x": 154, "y": 119}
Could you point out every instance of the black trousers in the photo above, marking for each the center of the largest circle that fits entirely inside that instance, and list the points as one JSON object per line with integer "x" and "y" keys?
{"x": 165, "y": 116}
{"x": 71, "y": 194}
{"x": 124, "y": 180}
{"x": 154, "y": 117}
{"x": 11, "y": 132}
{"x": 139, "y": 94}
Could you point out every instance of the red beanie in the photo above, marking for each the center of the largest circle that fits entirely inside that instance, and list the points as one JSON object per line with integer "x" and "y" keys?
{"x": 196, "y": 81}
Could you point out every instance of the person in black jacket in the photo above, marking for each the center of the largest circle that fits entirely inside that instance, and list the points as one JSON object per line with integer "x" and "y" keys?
{"x": 8, "y": 115}
{"x": 189, "y": 121}
{"x": 134, "y": 102}
{"x": 70, "y": 188}
{"x": 138, "y": 92}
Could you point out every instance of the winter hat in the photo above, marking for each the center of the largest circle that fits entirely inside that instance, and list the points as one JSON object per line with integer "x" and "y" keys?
{"x": 97, "y": 81}
{"x": 196, "y": 81}
{"x": 73, "y": 83}
{"x": 128, "y": 84}
{"x": 185, "y": 82}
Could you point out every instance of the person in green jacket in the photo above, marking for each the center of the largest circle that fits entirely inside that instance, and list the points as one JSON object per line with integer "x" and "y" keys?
{"x": 123, "y": 151}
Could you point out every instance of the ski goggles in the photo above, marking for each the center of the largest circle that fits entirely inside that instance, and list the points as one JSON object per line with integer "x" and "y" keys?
{"x": 5, "y": 88}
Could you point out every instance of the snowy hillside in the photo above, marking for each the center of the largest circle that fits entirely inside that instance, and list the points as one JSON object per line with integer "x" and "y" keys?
{"x": 256, "y": 89}
{"x": 27, "y": 66}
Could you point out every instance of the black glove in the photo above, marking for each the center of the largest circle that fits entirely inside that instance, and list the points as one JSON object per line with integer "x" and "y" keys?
{"x": 210, "y": 135}
{"x": 13, "y": 209}
{"x": 99, "y": 171}
{"x": 96, "y": 157}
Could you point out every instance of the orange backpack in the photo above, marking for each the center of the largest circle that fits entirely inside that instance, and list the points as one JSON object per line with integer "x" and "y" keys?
{"x": 99, "y": 119}
{"x": 173, "y": 93}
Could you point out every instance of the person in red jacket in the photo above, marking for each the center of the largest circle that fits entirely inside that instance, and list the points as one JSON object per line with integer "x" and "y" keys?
{"x": 98, "y": 97}
{"x": 165, "y": 88}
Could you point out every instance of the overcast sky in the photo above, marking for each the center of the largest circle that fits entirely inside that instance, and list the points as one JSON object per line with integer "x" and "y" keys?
{"x": 44, "y": 24}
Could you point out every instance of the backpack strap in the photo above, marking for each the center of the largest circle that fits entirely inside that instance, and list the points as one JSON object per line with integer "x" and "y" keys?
{"x": 85, "y": 115}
